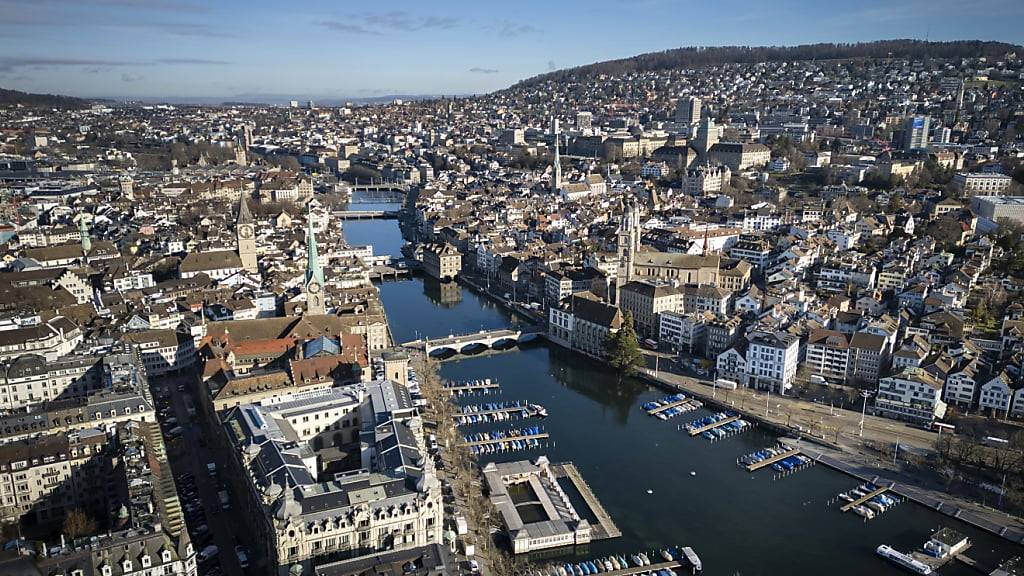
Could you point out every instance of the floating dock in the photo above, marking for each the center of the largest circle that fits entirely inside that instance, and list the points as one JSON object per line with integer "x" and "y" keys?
{"x": 660, "y": 409}
{"x": 476, "y": 386}
{"x": 605, "y": 527}
{"x": 713, "y": 425}
{"x": 851, "y": 505}
{"x": 651, "y": 569}
{"x": 509, "y": 410}
{"x": 539, "y": 436}
{"x": 769, "y": 461}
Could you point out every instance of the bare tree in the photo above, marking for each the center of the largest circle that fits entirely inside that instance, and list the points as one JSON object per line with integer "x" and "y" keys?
{"x": 77, "y": 524}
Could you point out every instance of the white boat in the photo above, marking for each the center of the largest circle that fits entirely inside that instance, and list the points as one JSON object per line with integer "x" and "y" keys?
{"x": 863, "y": 511}
{"x": 875, "y": 506}
{"x": 904, "y": 560}
{"x": 693, "y": 559}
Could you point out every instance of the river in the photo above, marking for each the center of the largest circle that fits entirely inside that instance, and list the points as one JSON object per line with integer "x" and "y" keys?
{"x": 640, "y": 467}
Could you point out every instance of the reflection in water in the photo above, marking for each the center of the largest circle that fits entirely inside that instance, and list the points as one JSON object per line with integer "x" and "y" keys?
{"x": 446, "y": 294}
{"x": 581, "y": 374}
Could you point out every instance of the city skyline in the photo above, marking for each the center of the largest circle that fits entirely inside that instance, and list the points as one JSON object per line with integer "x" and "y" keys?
{"x": 182, "y": 50}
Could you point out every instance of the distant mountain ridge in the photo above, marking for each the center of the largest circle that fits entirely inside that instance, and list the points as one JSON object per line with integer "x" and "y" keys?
{"x": 698, "y": 57}
{"x": 15, "y": 97}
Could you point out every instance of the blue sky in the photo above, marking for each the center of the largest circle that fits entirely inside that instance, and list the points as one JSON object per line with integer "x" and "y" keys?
{"x": 344, "y": 48}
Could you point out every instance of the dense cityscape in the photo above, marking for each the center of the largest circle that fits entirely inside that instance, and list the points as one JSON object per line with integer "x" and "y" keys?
{"x": 696, "y": 310}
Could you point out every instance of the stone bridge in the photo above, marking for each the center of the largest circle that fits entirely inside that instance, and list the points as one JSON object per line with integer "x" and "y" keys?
{"x": 465, "y": 343}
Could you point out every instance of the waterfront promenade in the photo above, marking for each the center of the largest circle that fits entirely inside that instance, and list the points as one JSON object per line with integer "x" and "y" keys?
{"x": 838, "y": 444}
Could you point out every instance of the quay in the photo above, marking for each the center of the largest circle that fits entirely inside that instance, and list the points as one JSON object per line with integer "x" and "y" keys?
{"x": 605, "y": 527}
{"x": 851, "y": 505}
{"x": 834, "y": 460}
{"x": 769, "y": 461}
{"x": 539, "y": 436}
{"x": 713, "y": 425}
{"x": 660, "y": 409}
{"x": 474, "y": 386}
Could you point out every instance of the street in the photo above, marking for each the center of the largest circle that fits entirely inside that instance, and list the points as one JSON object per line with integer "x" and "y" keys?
{"x": 834, "y": 424}
{"x": 197, "y": 490}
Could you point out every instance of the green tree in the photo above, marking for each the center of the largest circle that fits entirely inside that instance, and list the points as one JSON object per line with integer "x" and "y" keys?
{"x": 624, "y": 352}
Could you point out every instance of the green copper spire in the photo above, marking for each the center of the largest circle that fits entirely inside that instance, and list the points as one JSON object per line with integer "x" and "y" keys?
{"x": 313, "y": 270}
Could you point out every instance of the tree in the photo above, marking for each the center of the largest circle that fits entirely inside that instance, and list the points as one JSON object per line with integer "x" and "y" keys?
{"x": 77, "y": 524}
{"x": 624, "y": 352}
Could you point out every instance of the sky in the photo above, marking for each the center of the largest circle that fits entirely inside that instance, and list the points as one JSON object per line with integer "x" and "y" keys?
{"x": 322, "y": 49}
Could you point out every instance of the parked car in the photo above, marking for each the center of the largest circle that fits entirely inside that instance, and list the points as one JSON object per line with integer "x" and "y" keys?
{"x": 243, "y": 556}
{"x": 207, "y": 554}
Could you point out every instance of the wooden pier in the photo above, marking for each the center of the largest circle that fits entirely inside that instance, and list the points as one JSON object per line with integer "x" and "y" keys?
{"x": 713, "y": 425}
{"x": 660, "y": 409}
{"x": 769, "y": 461}
{"x": 472, "y": 387}
{"x": 508, "y": 410}
{"x": 541, "y": 436}
{"x": 851, "y": 505}
{"x": 605, "y": 527}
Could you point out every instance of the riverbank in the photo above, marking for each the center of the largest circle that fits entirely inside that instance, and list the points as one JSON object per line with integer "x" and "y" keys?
{"x": 516, "y": 308}
{"x": 846, "y": 452}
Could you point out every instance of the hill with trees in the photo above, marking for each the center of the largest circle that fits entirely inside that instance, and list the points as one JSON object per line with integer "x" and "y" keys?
{"x": 15, "y": 98}
{"x": 699, "y": 57}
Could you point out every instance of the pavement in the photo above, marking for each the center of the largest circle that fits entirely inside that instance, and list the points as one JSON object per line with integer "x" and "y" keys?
{"x": 838, "y": 434}
{"x": 189, "y": 454}
{"x": 456, "y": 500}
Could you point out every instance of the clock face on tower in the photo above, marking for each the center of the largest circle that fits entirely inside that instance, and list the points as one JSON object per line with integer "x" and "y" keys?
{"x": 313, "y": 287}
{"x": 245, "y": 232}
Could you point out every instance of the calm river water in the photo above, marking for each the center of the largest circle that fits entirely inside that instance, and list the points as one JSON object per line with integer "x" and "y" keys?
{"x": 640, "y": 467}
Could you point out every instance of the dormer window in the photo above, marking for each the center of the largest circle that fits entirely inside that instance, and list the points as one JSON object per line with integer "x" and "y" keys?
{"x": 166, "y": 556}
{"x": 127, "y": 565}
{"x": 106, "y": 570}
{"x": 146, "y": 562}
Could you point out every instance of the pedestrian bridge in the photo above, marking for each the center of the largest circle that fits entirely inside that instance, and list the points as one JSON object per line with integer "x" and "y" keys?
{"x": 473, "y": 342}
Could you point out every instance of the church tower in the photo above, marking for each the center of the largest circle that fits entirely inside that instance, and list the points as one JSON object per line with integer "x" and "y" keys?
{"x": 245, "y": 229}
{"x": 83, "y": 231}
{"x": 314, "y": 274}
{"x": 127, "y": 186}
{"x": 556, "y": 178}
{"x": 628, "y": 244}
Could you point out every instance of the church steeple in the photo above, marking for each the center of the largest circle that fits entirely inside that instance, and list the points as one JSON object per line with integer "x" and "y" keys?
{"x": 244, "y": 216}
{"x": 83, "y": 231}
{"x": 314, "y": 273}
{"x": 556, "y": 179}
{"x": 246, "y": 231}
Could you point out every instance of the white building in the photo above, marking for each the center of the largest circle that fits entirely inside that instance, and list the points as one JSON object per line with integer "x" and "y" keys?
{"x": 1003, "y": 396}
{"x": 997, "y": 208}
{"x": 912, "y": 395}
{"x": 981, "y": 183}
{"x": 772, "y": 360}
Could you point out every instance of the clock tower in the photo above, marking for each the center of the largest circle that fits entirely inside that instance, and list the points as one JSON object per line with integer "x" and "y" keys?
{"x": 246, "y": 231}
{"x": 314, "y": 274}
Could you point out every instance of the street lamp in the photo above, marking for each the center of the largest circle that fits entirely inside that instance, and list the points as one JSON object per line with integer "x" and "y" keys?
{"x": 865, "y": 394}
